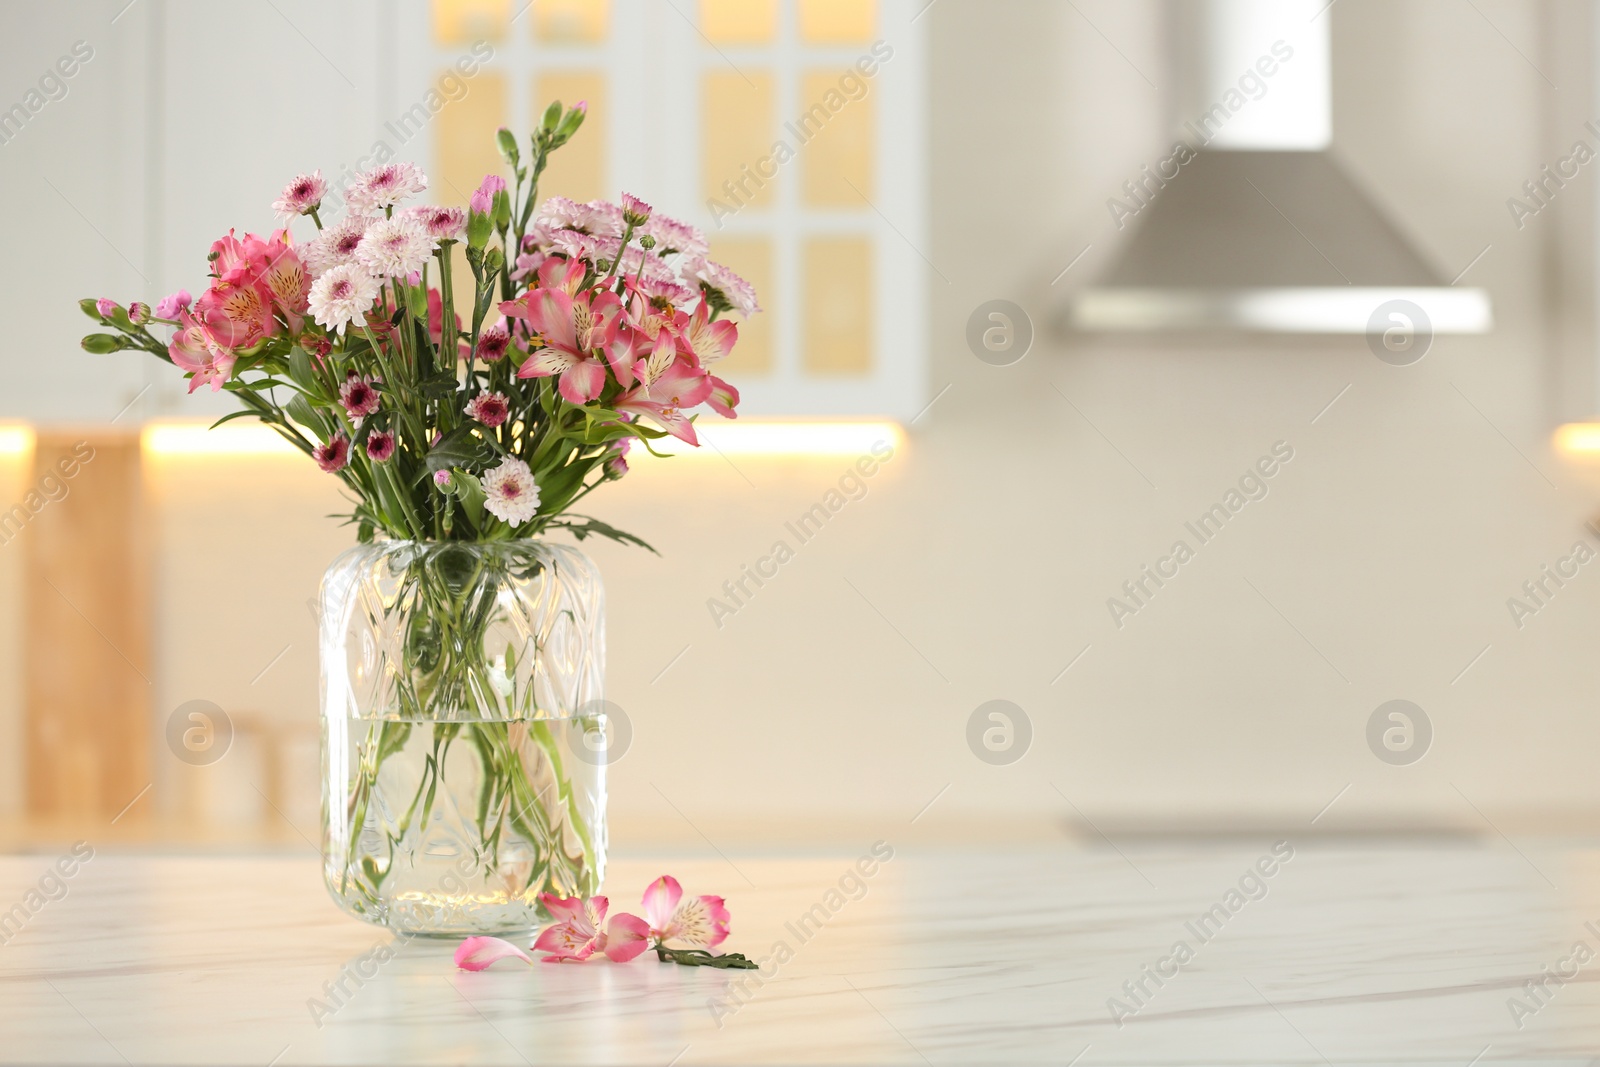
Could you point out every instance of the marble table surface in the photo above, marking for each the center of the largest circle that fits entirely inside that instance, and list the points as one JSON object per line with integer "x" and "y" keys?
{"x": 1323, "y": 952}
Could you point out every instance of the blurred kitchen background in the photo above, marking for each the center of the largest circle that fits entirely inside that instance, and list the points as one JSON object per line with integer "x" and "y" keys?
{"x": 996, "y": 151}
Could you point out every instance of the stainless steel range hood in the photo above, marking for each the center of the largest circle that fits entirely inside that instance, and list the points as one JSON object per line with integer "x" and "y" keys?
{"x": 1260, "y": 229}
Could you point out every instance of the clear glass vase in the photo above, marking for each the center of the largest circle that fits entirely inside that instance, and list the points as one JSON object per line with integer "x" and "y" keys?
{"x": 461, "y": 696}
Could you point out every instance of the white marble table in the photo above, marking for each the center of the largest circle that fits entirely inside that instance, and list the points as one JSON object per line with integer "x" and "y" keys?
{"x": 1385, "y": 953}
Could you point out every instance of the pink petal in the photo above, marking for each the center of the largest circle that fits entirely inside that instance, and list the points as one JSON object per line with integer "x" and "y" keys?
{"x": 661, "y": 900}
{"x": 723, "y": 398}
{"x": 479, "y": 953}
{"x": 562, "y": 908}
{"x": 566, "y": 940}
{"x": 626, "y": 937}
{"x": 582, "y": 381}
{"x": 550, "y": 313}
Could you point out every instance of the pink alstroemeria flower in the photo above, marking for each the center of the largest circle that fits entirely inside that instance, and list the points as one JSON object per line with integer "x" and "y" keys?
{"x": 572, "y": 328}
{"x": 194, "y": 349}
{"x": 705, "y": 340}
{"x": 699, "y": 922}
{"x": 576, "y": 934}
{"x": 668, "y": 386}
{"x": 481, "y": 953}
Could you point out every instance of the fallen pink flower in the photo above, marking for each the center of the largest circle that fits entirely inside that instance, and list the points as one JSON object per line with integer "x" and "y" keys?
{"x": 576, "y": 934}
{"x": 700, "y": 922}
{"x": 481, "y": 953}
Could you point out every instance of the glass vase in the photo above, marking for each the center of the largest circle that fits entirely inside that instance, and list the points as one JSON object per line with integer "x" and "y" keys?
{"x": 461, "y": 696}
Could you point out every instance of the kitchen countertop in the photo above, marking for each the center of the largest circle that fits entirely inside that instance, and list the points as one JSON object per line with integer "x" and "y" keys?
{"x": 1400, "y": 951}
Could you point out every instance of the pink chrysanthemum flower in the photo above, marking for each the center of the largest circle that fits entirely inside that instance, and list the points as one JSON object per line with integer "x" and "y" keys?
{"x": 576, "y": 245}
{"x": 493, "y": 342}
{"x": 603, "y": 218}
{"x": 673, "y": 235}
{"x": 510, "y": 492}
{"x": 738, "y": 292}
{"x": 334, "y": 455}
{"x": 341, "y": 296}
{"x": 394, "y": 248}
{"x": 337, "y": 244}
{"x": 358, "y": 396}
{"x": 491, "y": 409}
{"x": 635, "y": 212}
{"x": 560, "y": 213}
{"x": 301, "y": 196}
{"x": 440, "y": 223}
{"x": 379, "y": 445}
{"x": 384, "y": 186}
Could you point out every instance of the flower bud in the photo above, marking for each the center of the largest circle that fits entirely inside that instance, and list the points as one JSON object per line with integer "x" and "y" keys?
{"x": 138, "y": 313}
{"x": 106, "y": 308}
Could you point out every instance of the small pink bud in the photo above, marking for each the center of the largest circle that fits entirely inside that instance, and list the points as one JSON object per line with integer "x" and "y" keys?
{"x": 441, "y": 479}
{"x": 139, "y": 313}
{"x": 107, "y": 308}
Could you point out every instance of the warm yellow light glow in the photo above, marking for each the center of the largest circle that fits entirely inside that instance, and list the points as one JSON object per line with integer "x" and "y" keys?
{"x": 15, "y": 440}
{"x": 194, "y": 439}
{"x": 742, "y": 438}
{"x": 1579, "y": 439}
{"x": 785, "y": 438}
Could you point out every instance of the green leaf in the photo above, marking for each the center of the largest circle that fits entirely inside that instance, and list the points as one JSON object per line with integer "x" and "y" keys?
{"x": 581, "y": 526}
{"x": 470, "y": 492}
{"x": 439, "y": 386}
{"x": 301, "y": 411}
{"x": 460, "y": 448}
{"x": 230, "y": 416}
{"x": 302, "y": 373}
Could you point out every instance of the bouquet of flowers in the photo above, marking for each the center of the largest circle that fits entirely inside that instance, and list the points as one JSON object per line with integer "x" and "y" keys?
{"x": 446, "y": 425}
{"x": 461, "y": 433}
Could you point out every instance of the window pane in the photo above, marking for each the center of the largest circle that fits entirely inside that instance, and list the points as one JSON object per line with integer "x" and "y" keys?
{"x": 465, "y": 21}
{"x": 464, "y": 151}
{"x": 737, "y": 118}
{"x": 739, "y": 21}
{"x": 578, "y": 168}
{"x": 838, "y": 121}
{"x": 837, "y": 21}
{"x": 751, "y": 259}
{"x": 570, "y": 21}
{"x": 838, "y": 303}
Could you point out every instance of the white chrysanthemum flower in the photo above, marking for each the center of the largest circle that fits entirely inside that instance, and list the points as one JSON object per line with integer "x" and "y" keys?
{"x": 393, "y": 248}
{"x": 384, "y": 186}
{"x": 510, "y": 492}
{"x": 342, "y": 295}
{"x": 337, "y": 244}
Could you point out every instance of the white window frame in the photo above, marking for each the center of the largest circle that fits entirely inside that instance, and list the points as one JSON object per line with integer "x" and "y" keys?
{"x": 655, "y": 54}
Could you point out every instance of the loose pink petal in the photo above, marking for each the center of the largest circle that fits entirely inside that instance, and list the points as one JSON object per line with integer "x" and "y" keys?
{"x": 480, "y": 953}
{"x": 626, "y": 937}
{"x": 661, "y": 900}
